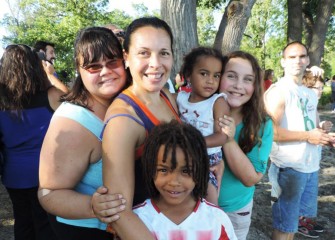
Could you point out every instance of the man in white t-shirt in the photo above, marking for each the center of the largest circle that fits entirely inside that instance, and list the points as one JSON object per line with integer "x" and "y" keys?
{"x": 294, "y": 154}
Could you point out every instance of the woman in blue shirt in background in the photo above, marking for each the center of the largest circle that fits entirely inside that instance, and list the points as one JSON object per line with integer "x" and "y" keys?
{"x": 27, "y": 103}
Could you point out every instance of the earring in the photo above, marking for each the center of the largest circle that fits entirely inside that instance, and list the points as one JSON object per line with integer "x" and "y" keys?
{"x": 126, "y": 64}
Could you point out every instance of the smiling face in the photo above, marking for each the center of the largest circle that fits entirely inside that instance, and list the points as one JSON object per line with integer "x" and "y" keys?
{"x": 205, "y": 78}
{"x": 238, "y": 82}
{"x": 50, "y": 54}
{"x": 105, "y": 84}
{"x": 149, "y": 58}
{"x": 174, "y": 185}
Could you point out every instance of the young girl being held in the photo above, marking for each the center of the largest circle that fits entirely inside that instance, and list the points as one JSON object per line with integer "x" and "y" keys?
{"x": 176, "y": 171}
{"x": 203, "y": 106}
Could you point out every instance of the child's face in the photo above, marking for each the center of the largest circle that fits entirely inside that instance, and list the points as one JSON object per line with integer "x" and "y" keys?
{"x": 318, "y": 88}
{"x": 205, "y": 77}
{"x": 238, "y": 82}
{"x": 175, "y": 186}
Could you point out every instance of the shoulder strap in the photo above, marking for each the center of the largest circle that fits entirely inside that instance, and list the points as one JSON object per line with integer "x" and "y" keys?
{"x": 119, "y": 115}
{"x": 167, "y": 100}
{"x": 81, "y": 115}
{"x": 140, "y": 111}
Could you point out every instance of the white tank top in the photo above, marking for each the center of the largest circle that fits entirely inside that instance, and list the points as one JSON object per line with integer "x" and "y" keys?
{"x": 299, "y": 115}
{"x": 199, "y": 114}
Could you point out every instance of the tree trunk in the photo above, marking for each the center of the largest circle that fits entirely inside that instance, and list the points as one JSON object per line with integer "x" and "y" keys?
{"x": 324, "y": 12}
{"x": 238, "y": 13}
{"x": 222, "y": 27}
{"x": 308, "y": 21}
{"x": 294, "y": 26}
{"x": 182, "y": 18}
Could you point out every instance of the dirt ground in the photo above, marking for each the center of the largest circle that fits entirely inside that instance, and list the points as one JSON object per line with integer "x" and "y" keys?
{"x": 261, "y": 218}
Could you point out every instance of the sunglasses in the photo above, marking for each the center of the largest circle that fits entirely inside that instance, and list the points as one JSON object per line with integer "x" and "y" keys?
{"x": 318, "y": 88}
{"x": 97, "y": 67}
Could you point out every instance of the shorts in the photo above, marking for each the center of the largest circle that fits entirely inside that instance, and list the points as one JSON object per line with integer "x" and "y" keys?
{"x": 214, "y": 159}
{"x": 241, "y": 220}
{"x": 297, "y": 198}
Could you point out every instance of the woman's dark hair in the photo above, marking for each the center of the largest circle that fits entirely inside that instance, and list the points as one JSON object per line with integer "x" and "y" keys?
{"x": 145, "y": 22}
{"x": 90, "y": 45}
{"x": 190, "y": 141}
{"x": 193, "y": 56}
{"x": 21, "y": 77}
{"x": 253, "y": 111}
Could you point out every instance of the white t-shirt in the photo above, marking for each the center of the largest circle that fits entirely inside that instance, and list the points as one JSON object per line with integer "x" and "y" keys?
{"x": 299, "y": 115}
{"x": 199, "y": 114}
{"x": 206, "y": 222}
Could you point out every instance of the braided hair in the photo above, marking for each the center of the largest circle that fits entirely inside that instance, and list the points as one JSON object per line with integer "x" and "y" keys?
{"x": 177, "y": 135}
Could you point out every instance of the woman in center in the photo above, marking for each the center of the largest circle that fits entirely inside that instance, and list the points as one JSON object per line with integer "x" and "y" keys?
{"x": 129, "y": 119}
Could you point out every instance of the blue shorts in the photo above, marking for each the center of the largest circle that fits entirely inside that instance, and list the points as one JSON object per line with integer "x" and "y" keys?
{"x": 214, "y": 159}
{"x": 298, "y": 198}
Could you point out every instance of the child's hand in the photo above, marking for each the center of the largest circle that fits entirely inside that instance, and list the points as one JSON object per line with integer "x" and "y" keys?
{"x": 107, "y": 206}
{"x": 316, "y": 71}
{"x": 228, "y": 127}
{"x": 326, "y": 125}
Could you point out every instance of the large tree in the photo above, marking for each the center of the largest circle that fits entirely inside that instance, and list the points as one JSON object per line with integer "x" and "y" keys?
{"x": 320, "y": 27}
{"x": 233, "y": 24}
{"x": 181, "y": 16}
{"x": 315, "y": 22}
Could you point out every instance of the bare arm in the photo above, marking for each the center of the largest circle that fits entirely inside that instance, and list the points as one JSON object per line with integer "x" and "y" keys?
{"x": 121, "y": 136}
{"x": 54, "y": 95}
{"x": 237, "y": 160}
{"x": 63, "y": 161}
{"x": 275, "y": 106}
{"x": 218, "y": 138}
{"x": 50, "y": 70}
{"x": 240, "y": 164}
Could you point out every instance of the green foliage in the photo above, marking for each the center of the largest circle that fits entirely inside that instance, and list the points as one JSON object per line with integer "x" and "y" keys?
{"x": 58, "y": 21}
{"x": 211, "y": 4}
{"x": 265, "y": 35}
{"x": 326, "y": 96}
{"x": 205, "y": 25}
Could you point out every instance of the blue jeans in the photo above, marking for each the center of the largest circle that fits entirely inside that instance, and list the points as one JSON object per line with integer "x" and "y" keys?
{"x": 297, "y": 198}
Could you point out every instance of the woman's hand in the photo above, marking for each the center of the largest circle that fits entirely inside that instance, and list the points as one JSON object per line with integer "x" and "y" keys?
{"x": 107, "y": 206}
{"x": 228, "y": 127}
